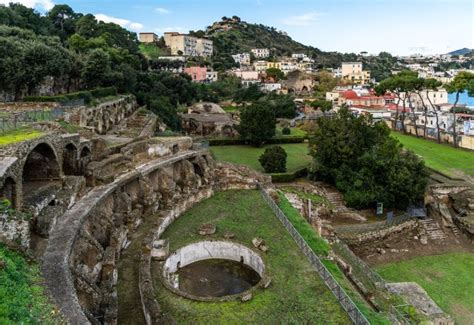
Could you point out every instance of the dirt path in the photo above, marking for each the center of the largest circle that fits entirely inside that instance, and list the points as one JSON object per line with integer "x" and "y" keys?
{"x": 129, "y": 302}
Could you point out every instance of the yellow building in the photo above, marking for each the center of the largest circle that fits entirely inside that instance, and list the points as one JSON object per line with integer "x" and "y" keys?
{"x": 276, "y": 65}
{"x": 353, "y": 72}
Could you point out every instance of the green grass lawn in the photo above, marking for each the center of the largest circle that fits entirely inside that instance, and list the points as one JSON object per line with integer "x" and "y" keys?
{"x": 151, "y": 51}
{"x": 298, "y": 157}
{"x": 18, "y": 135}
{"x": 22, "y": 299}
{"x": 447, "y": 278}
{"x": 442, "y": 157}
{"x": 296, "y": 295}
{"x": 295, "y": 132}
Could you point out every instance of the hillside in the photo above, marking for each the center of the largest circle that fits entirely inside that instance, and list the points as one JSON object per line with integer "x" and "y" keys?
{"x": 462, "y": 51}
{"x": 232, "y": 35}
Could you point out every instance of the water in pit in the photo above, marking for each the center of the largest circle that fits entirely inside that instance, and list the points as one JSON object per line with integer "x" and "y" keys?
{"x": 216, "y": 278}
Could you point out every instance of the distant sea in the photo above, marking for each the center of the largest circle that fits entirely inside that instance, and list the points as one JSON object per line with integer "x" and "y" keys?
{"x": 463, "y": 99}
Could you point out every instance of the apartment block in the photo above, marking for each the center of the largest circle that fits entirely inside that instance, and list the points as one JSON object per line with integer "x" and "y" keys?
{"x": 182, "y": 44}
{"x": 148, "y": 38}
{"x": 352, "y": 71}
{"x": 261, "y": 53}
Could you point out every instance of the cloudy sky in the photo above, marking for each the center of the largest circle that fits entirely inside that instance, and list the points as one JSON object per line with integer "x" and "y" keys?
{"x": 399, "y": 27}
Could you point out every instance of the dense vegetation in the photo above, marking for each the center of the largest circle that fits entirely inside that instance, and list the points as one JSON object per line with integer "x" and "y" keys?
{"x": 23, "y": 300}
{"x": 365, "y": 163}
{"x": 296, "y": 295}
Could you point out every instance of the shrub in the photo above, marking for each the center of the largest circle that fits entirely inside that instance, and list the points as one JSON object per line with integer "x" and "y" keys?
{"x": 286, "y": 131}
{"x": 273, "y": 160}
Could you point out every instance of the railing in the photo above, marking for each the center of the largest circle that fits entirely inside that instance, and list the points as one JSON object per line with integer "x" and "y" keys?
{"x": 347, "y": 304}
{"x": 13, "y": 121}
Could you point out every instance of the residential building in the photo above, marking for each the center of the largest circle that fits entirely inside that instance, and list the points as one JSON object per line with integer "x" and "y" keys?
{"x": 248, "y": 77}
{"x": 181, "y": 44}
{"x": 260, "y": 66}
{"x": 276, "y": 65}
{"x": 261, "y": 53}
{"x": 352, "y": 71}
{"x": 242, "y": 58}
{"x": 201, "y": 74}
{"x": 270, "y": 87}
{"x": 148, "y": 38}
{"x": 299, "y": 56}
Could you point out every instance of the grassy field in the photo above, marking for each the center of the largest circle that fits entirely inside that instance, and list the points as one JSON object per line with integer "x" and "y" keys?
{"x": 448, "y": 279}
{"x": 22, "y": 299}
{"x": 298, "y": 157}
{"x": 296, "y": 295}
{"x": 152, "y": 51}
{"x": 18, "y": 135}
{"x": 442, "y": 157}
{"x": 295, "y": 132}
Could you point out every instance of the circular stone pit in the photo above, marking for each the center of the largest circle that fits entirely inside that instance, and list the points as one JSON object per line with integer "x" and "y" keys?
{"x": 214, "y": 270}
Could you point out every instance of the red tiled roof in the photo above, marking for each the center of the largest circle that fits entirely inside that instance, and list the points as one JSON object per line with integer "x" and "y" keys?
{"x": 349, "y": 94}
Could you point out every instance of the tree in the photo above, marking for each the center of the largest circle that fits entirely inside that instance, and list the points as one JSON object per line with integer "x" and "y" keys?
{"x": 365, "y": 163}
{"x": 63, "y": 18}
{"x": 400, "y": 85}
{"x": 257, "y": 123}
{"x": 275, "y": 73}
{"x": 464, "y": 81}
{"x": 273, "y": 160}
{"x": 323, "y": 105}
{"x": 282, "y": 106}
{"x": 96, "y": 68}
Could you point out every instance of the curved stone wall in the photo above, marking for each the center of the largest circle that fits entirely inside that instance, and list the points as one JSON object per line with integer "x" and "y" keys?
{"x": 213, "y": 249}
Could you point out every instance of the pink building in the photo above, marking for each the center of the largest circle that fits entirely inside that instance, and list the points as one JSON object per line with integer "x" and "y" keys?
{"x": 201, "y": 74}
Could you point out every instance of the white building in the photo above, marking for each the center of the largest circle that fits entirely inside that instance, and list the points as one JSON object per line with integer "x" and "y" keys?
{"x": 299, "y": 56}
{"x": 269, "y": 87}
{"x": 261, "y": 53}
{"x": 242, "y": 58}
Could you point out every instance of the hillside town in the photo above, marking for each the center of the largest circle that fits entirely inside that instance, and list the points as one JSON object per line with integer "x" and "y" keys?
{"x": 428, "y": 109}
{"x": 235, "y": 173}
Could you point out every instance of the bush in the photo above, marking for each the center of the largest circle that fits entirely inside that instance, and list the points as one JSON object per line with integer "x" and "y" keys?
{"x": 286, "y": 131}
{"x": 273, "y": 160}
{"x": 289, "y": 177}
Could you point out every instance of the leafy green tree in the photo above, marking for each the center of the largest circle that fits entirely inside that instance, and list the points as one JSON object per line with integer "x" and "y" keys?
{"x": 63, "y": 18}
{"x": 257, "y": 123}
{"x": 323, "y": 105}
{"x": 273, "y": 160}
{"x": 275, "y": 73}
{"x": 365, "y": 163}
{"x": 463, "y": 81}
{"x": 283, "y": 106}
{"x": 163, "y": 108}
{"x": 248, "y": 94}
{"x": 96, "y": 69}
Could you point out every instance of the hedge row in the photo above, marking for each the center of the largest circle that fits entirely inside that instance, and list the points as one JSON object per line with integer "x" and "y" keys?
{"x": 86, "y": 95}
{"x": 238, "y": 141}
{"x": 289, "y": 177}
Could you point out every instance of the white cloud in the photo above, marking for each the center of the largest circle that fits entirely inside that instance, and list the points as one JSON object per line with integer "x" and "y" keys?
{"x": 43, "y": 4}
{"x": 170, "y": 29}
{"x": 302, "y": 20}
{"x": 119, "y": 21}
{"x": 163, "y": 11}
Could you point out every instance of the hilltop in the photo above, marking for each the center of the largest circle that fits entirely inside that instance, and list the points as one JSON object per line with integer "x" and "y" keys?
{"x": 462, "y": 51}
{"x": 233, "y": 35}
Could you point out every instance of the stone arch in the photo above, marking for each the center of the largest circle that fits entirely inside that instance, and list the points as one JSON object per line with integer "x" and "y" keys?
{"x": 41, "y": 164}
{"x": 70, "y": 159}
{"x": 8, "y": 191}
{"x": 85, "y": 158}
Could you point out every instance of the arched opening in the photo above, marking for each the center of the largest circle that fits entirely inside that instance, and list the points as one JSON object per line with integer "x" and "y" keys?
{"x": 40, "y": 169}
{"x": 84, "y": 160}
{"x": 198, "y": 170}
{"x": 41, "y": 165}
{"x": 8, "y": 191}
{"x": 70, "y": 159}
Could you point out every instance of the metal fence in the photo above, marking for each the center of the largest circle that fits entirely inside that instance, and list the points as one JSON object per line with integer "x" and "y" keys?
{"x": 12, "y": 121}
{"x": 347, "y": 304}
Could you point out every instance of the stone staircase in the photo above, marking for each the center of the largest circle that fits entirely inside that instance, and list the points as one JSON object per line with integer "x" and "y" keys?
{"x": 336, "y": 199}
{"x": 433, "y": 229}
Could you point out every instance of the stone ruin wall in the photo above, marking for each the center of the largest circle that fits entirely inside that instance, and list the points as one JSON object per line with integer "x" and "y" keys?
{"x": 97, "y": 228}
{"x": 105, "y": 116}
